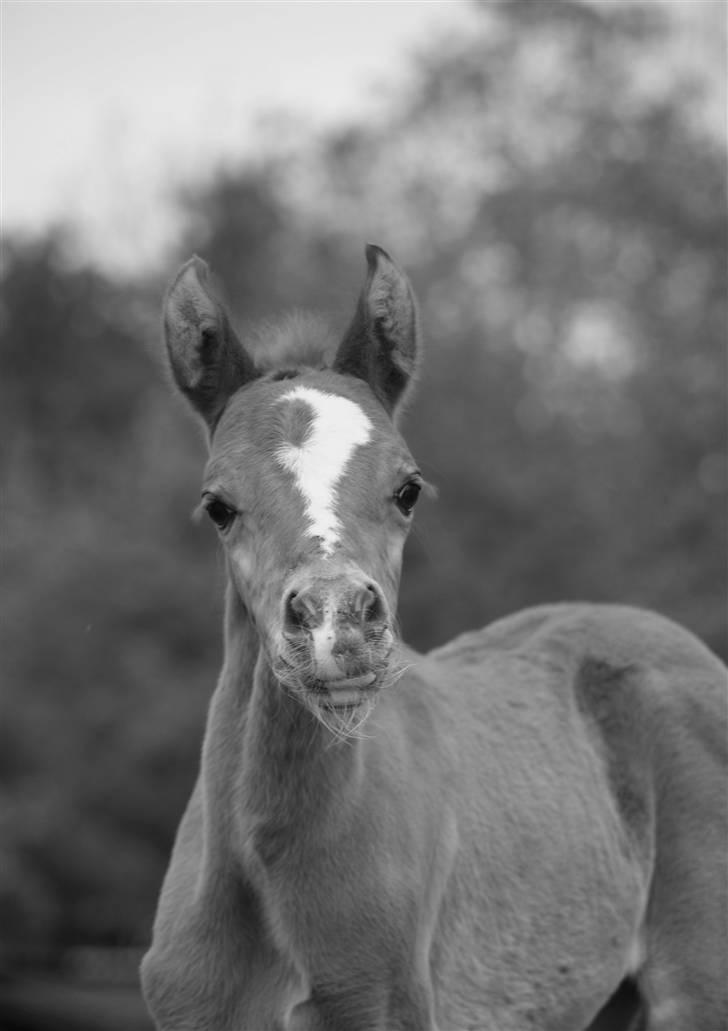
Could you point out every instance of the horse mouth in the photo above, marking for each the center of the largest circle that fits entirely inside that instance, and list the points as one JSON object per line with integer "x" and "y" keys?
{"x": 346, "y": 681}
{"x": 346, "y": 693}
{"x": 344, "y": 701}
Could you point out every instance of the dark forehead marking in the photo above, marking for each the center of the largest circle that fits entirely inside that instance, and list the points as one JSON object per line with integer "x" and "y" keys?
{"x": 254, "y": 423}
{"x": 296, "y": 419}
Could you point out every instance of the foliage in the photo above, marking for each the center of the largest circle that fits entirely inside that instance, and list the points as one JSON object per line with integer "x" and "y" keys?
{"x": 566, "y": 234}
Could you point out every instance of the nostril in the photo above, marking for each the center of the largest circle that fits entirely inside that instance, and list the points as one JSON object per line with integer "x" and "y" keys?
{"x": 302, "y": 610}
{"x": 294, "y": 612}
{"x": 370, "y": 604}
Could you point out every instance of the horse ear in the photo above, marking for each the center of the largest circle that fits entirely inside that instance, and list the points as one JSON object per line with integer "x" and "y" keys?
{"x": 208, "y": 361}
{"x": 381, "y": 345}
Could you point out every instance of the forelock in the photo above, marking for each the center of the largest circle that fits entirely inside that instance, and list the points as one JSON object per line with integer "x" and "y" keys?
{"x": 300, "y": 340}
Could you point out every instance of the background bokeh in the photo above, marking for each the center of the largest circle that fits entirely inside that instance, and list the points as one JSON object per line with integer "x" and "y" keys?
{"x": 558, "y": 199}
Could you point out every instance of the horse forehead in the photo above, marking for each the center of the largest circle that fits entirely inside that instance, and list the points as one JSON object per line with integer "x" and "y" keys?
{"x": 261, "y": 419}
{"x": 322, "y": 433}
{"x": 321, "y": 425}
{"x": 318, "y": 458}
{"x": 319, "y": 420}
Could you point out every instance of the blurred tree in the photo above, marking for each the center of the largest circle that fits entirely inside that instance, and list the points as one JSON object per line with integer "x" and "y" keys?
{"x": 97, "y": 644}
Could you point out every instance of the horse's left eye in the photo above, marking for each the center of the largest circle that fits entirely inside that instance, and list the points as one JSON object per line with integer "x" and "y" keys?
{"x": 220, "y": 513}
{"x": 406, "y": 497}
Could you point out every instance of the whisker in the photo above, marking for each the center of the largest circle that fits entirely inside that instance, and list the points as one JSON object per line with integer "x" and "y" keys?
{"x": 296, "y": 671}
{"x": 347, "y": 726}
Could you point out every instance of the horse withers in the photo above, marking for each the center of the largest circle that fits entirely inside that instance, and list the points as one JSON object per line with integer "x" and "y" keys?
{"x": 492, "y": 836}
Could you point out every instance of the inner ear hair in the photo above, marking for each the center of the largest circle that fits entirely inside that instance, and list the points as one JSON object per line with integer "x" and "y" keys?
{"x": 381, "y": 345}
{"x": 207, "y": 359}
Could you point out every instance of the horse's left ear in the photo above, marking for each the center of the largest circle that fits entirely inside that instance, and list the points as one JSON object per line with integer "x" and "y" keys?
{"x": 382, "y": 345}
{"x": 208, "y": 361}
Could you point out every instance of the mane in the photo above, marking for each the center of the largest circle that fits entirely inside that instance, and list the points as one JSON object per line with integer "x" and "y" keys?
{"x": 299, "y": 340}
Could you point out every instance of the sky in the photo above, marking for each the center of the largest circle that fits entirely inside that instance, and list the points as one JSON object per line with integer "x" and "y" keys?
{"x": 108, "y": 104}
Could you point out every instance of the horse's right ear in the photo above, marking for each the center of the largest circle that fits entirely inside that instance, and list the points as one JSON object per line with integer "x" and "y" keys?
{"x": 208, "y": 361}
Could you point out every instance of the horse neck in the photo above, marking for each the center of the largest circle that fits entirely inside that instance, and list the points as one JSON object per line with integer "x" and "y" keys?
{"x": 268, "y": 764}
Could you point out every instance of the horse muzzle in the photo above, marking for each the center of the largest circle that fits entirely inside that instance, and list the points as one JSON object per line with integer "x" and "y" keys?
{"x": 337, "y": 635}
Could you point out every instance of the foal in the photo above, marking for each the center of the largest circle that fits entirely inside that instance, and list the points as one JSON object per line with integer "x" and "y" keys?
{"x": 491, "y": 836}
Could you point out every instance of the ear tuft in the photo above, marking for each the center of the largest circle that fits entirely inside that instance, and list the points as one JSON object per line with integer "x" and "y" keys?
{"x": 208, "y": 361}
{"x": 381, "y": 345}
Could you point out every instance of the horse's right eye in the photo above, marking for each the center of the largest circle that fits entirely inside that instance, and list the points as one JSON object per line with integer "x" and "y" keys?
{"x": 406, "y": 497}
{"x": 220, "y": 513}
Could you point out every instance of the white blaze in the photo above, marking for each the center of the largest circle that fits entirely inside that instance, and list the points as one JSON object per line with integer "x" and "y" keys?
{"x": 338, "y": 427}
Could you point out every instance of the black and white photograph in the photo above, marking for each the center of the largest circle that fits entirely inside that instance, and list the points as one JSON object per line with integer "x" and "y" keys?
{"x": 364, "y": 515}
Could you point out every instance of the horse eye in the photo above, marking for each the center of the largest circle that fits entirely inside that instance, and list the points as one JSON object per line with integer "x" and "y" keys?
{"x": 220, "y": 513}
{"x": 406, "y": 497}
